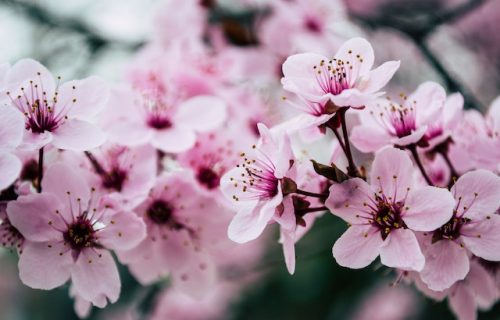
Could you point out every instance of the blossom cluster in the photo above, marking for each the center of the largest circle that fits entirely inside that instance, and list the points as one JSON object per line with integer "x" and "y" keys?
{"x": 177, "y": 171}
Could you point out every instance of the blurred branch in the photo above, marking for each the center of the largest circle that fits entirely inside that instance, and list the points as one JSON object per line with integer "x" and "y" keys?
{"x": 43, "y": 16}
{"x": 418, "y": 30}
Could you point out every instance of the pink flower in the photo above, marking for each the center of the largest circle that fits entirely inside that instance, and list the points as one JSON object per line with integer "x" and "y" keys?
{"x": 169, "y": 124}
{"x": 11, "y": 135}
{"x": 476, "y": 291}
{"x": 68, "y": 236}
{"x": 386, "y": 122}
{"x": 254, "y": 186}
{"x": 346, "y": 80}
{"x": 473, "y": 226}
{"x": 385, "y": 213}
{"x": 60, "y": 114}
{"x": 182, "y": 226}
{"x": 10, "y": 237}
{"x": 128, "y": 173}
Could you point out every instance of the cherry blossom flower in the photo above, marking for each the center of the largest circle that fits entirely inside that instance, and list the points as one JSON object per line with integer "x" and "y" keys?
{"x": 55, "y": 113}
{"x": 254, "y": 186}
{"x": 387, "y": 122}
{"x": 68, "y": 236}
{"x": 385, "y": 213}
{"x": 127, "y": 173}
{"x": 182, "y": 227}
{"x": 474, "y": 226}
{"x": 169, "y": 124}
{"x": 11, "y": 135}
{"x": 346, "y": 80}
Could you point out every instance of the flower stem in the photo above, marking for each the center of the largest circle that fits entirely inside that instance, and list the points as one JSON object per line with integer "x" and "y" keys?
{"x": 351, "y": 168}
{"x": 40, "y": 170}
{"x": 311, "y": 194}
{"x": 414, "y": 153}
{"x": 339, "y": 138}
{"x": 308, "y": 210}
{"x": 453, "y": 171}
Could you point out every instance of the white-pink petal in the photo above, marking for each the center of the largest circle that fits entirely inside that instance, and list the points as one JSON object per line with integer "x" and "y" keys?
{"x": 201, "y": 113}
{"x": 402, "y": 251}
{"x": 445, "y": 263}
{"x": 358, "y": 247}
{"x": 95, "y": 276}
{"x": 45, "y": 265}
{"x": 483, "y": 237}
{"x": 78, "y": 135}
{"x": 428, "y": 208}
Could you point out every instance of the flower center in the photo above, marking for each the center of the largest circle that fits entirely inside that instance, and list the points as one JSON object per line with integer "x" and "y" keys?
{"x": 334, "y": 76}
{"x": 160, "y": 212}
{"x": 208, "y": 178}
{"x": 312, "y": 25}
{"x": 42, "y": 112}
{"x": 388, "y": 217}
{"x": 451, "y": 230}
{"x": 80, "y": 234}
{"x": 114, "y": 179}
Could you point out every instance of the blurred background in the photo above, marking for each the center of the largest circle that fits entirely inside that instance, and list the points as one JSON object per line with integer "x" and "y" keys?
{"x": 453, "y": 42}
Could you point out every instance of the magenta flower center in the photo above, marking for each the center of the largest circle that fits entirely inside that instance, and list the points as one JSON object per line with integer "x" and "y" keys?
{"x": 42, "y": 112}
{"x": 387, "y": 216}
{"x": 451, "y": 230}
{"x": 208, "y": 177}
{"x": 114, "y": 179}
{"x": 399, "y": 120}
{"x": 160, "y": 212}
{"x": 334, "y": 76}
{"x": 257, "y": 179}
{"x": 312, "y": 24}
{"x": 80, "y": 234}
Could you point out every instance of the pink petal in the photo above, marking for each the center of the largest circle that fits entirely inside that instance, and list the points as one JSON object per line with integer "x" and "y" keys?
{"x": 369, "y": 139}
{"x": 246, "y": 225}
{"x": 482, "y": 284}
{"x": 197, "y": 278}
{"x": 461, "y": 301}
{"x": 90, "y": 96}
{"x": 175, "y": 139}
{"x": 95, "y": 276}
{"x": 231, "y": 189}
{"x": 358, "y": 247}
{"x": 11, "y": 128}
{"x": 201, "y": 113}
{"x": 10, "y": 167}
{"x": 35, "y": 217}
{"x": 430, "y": 98}
{"x": 25, "y": 70}
{"x": 428, "y": 208}
{"x": 349, "y": 200}
{"x": 350, "y": 50}
{"x": 392, "y": 173}
{"x": 124, "y": 230}
{"x": 445, "y": 263}
{"x": 380, "y": 76}
{"x": 60, "y": 179}
{"x": 402, "y": 251}
{"x": 41, "y": 265}
{"x": 478, "y": 193}
{"x": 288, "y": 241}
{"x": 78, "y": 135}
{"x": 128, "y": 133}
{"x": 414, "y": 137}
{"x": 483, "y": 237}
{"x": 34, "y": 141}
{"x": 352, "y": 98}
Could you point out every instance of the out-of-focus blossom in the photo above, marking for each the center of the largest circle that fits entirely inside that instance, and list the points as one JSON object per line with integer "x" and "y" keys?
{"x": 68, "y": 233}
{"x": 11, "y": 135}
